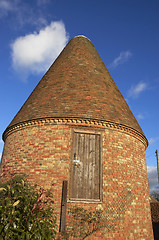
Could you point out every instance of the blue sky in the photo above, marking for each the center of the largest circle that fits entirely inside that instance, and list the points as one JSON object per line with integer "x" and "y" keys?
{"x": 124, "y": 32}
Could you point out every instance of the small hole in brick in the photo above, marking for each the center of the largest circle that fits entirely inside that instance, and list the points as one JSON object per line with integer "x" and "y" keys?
{"x": 40, "y": 164}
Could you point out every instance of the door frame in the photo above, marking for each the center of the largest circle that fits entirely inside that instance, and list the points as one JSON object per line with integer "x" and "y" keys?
{"x": 85, "y": 131}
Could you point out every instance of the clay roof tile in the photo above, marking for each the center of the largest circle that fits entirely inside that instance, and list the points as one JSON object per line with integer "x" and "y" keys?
{"x": 77, "y": 85}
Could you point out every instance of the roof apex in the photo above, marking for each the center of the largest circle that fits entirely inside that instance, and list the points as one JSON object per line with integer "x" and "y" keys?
{"x": 81, "y": 36}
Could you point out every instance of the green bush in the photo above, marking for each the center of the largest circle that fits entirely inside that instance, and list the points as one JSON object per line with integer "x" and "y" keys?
{"x": 82, "y": 223}
{"x": 26, "y": 212}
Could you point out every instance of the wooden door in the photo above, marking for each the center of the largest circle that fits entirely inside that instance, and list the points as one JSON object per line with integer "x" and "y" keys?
{"x": 86, "y": 167}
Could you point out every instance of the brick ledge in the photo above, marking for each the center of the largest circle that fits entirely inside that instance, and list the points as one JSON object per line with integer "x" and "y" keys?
{"x": 76, "y": 122}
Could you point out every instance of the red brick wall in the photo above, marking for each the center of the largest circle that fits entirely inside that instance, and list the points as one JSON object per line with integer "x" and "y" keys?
{"x": 44, "y": 151}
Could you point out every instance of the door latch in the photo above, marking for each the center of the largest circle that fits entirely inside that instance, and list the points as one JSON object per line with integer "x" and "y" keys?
{"x": 76, "y": 161}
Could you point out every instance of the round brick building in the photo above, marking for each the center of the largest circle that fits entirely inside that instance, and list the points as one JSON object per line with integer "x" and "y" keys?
{"x": 76, "y": 126}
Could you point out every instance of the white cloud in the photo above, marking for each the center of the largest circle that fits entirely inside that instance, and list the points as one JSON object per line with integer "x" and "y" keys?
{"x": 24, "y": 13}
{"x": 1, "y": 141}
{"x": 35, "y": 52}
{"x": 153, "y": 178}
{"x": 5, "y": 5}
{"x": 153, "y": 140}
{"x": 8, "y": 6}
{"x": 140, "y": 116}
{"x": 122, "y": 58}
{"x": 135, "y": 91}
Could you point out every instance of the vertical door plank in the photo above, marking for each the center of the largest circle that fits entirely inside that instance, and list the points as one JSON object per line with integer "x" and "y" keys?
{"x": 83, "y": 166}
{"x": 97, "y": 168}
{"x": 86, "y": 167}
{"x": 80, "y": 166}
{"x": 74, "y": 173}
{"x": 93, "y": 167}
{"x": 90, "y": 166}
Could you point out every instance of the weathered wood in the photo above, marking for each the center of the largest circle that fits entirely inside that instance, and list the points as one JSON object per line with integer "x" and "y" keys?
{"x": 86, "y": 166}
{"x": 63, "y": 207}
{"x": 98, "y": 166}
{"x": 86, "y": 173}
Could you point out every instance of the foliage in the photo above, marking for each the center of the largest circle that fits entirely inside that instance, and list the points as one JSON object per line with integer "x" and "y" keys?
{"x": 155, "y": 195}
{"x": 26, "y": 211}
{"x": 83, "y": 223}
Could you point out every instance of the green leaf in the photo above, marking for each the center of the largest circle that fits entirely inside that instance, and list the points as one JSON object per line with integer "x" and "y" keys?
{"x": 2, "y": 189}
{"x": 6, "y": 227}
{"x": 22, "y": 182}
{"x": 17, "y": 221}
{"x": 16, "y": 203}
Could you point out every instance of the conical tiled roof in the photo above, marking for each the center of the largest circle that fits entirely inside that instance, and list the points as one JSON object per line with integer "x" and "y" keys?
{"x": 77, "y": 85}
